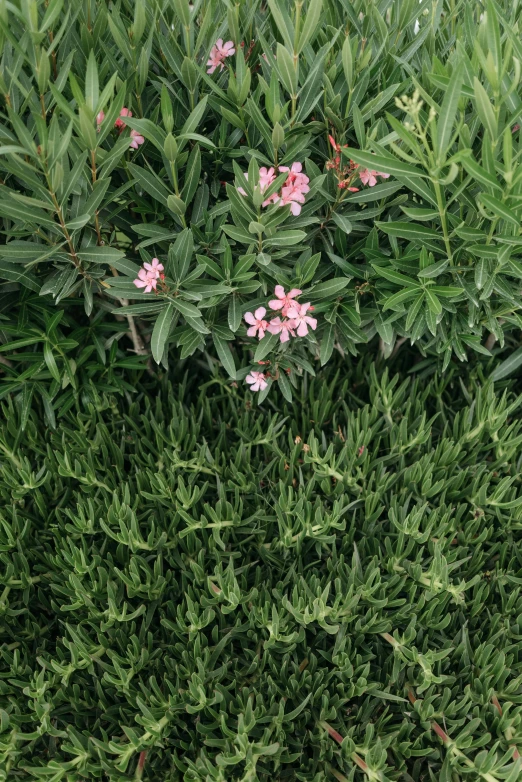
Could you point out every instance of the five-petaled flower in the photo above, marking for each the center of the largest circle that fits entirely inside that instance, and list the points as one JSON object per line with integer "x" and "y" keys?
{"x": 219, "y": 52}
{"x": 284, "y": 300}
{"x": 257, "y": 323}
{"x": 256, "y": 381}
{"x": 298, "y": 314}
{"x": 148, "y": 275}
{"x": 283, "y": 327}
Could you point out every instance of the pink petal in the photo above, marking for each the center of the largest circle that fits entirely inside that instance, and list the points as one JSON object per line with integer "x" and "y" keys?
{"x": 312, "y": 322}
{"x": 251, "y": 332}
{"x": 302, "y": 329}
{"x": 139, "y": 283}
{"x": 260, "y": 313}
{"x": 275, "y": 304}
{"x": 293, "y": 293}
{"x": 249, "y": 317}
{"x": 279, "y": 291}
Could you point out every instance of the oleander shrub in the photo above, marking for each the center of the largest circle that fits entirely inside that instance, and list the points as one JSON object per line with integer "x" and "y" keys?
{"x": 193, "y": 588}
{"x": 125, "y": 133}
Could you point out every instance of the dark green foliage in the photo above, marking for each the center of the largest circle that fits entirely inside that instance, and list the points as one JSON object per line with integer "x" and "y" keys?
{"x": 192, "y": 589}
{"x": 432, "y": 254}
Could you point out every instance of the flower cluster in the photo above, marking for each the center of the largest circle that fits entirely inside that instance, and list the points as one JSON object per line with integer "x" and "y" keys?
{"x": 293, "y": 321}
{"x": 293, "y": 191}
{"x": 136, "y": 139}
{"x": 149, "y": 275}
{"x": 347, "y": 174}
{"x": 218, "y": 54}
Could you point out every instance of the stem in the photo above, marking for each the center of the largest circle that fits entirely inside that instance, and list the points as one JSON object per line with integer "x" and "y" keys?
{"x": 442, "y": 213}
{"x": 96, "y": 220}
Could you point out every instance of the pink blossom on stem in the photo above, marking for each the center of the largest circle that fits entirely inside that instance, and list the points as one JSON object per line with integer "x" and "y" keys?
{"x": 99, "y": 119}
{"x": 284, "y": 301}
{"x": 298, "y": 314}
{"x": 136, "y": 139}
{"x": 283, "y": 327}
{"x": 120, "y": 124}
{"x": 219, "y": 52}
{"x": 257, "y": 324}
{"x": 256, "y": 381}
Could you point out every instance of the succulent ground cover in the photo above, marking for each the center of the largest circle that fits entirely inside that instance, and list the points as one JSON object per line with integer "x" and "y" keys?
{"x": 196, "y": 588}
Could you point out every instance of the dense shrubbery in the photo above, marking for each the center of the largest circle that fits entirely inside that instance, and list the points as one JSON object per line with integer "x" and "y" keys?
{"x": 126, "y": 132}
{"x": 326, "y": 587}
{"x": 196, "y": 589}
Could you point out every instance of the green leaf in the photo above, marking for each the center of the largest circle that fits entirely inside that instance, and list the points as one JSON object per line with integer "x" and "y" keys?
{"x": 394, "y": 276}
{"x": 327, "y": 344}
{"x": 385, "y": 163}
{"x": 92, "y": 91}
{"x": 433, "y": 302}
{"x": 285, "y": 239}
{"x": 9, "y": 271}
{"x": 50, "y": 360}
{"x": 286, "y": 69}
{"x": 225, "y": 355}
{"x": 448, "y": 112}
{"x": 311, "y": 24}
{"x": 325, "y": 290}
{"x": 410, "y": 231}
{"x": 266, "y": 345}
{"x": 500, "y": 209}
{"x": 150, "y": 182}
{"x": 343, "y": 222}
{"x": 185, "y": 308}
{"x": 485, "y": 109}
{"x": 508, "y": 366}
{"x": 161, "y": 331}
{"x": 192, "y": 174}
{"x": 284, "y": 385}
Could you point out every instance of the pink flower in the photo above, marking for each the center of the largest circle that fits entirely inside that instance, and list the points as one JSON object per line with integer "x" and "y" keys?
{"x": 369, "y": 177}
{"x": 257, "y": 324}
{"x": 155, "y": 266}
{"x": 99, "y": 119}
{"x": 135, "y": 139}
{"x": 120, "y": 124}
{"x": 256, "y": 381}
{"x": 284, "y": 301}
{"x": 295, "y": 187}
{"x": 283, "y": 327}
{"x": 266, "y": 177}
{"x": 148, "y": 275}
{"x": 219, "y": 52}
{"x": 146, "y": 280}
{"x": 298, "y": 314}
{"x": 293, "y": 196}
